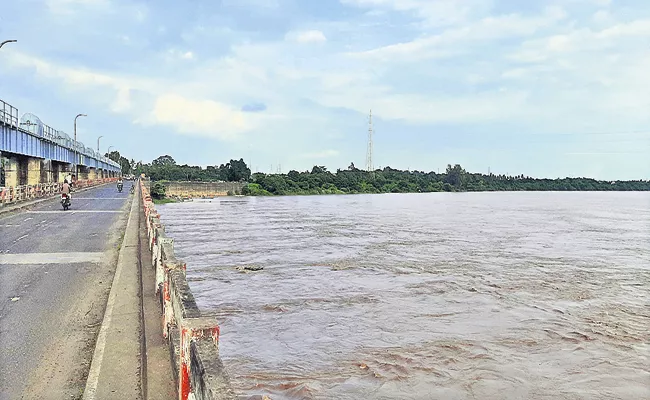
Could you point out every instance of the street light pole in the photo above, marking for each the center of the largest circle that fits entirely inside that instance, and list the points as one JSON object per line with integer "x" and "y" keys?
{"x": 98, "y": 143}
{"x": 7, "y": 41}
{"x": 76, "y": 156}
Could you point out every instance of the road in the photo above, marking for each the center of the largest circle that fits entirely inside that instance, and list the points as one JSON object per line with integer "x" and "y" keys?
{"x": 56, "y": 269}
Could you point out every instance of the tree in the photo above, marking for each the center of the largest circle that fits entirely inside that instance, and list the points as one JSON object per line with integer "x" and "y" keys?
{"x": 158, "y": 190}
{"x": 113, "y": 155}
{"x": 318, "y": 169}
{"x": 125, "y": 164}
{"x": 164, "y": 161}
{"x": 455, "y": 176}
{"x": 237, "y": 171}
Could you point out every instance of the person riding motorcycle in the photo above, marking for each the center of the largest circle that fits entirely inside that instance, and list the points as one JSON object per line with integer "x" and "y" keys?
{"x": 120, "y": 184}
{"x": 65, "y": 188}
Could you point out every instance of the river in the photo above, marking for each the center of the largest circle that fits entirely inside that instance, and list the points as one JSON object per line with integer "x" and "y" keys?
{"x": 522, "y": 295}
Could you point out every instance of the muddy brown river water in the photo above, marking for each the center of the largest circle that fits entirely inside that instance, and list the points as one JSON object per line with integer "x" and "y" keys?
{"x": 426, "y": 296}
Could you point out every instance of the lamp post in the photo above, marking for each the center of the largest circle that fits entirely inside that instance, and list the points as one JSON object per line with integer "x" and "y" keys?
{"x": 76, "y": 156}
{"x": 98, "y": 143}
{"x": 7, "y": 41}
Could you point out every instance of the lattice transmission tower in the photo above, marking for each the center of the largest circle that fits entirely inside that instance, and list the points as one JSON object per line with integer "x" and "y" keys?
{"x": 369, "y": 166}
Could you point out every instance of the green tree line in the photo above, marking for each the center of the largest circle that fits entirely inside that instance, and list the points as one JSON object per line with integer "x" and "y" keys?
{"x": 388, "y": 180}
{"x": 165, "y": 168}
{"x": 353, "y": 180}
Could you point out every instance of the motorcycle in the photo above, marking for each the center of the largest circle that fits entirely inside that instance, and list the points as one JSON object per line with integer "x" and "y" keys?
{"x": 65, "y": 201}
{"x": 132, "y": 189}
{"x": 119, "y": 187}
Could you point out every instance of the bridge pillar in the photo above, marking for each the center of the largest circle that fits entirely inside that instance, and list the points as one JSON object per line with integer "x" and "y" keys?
{"x": 83, "y": 173}
{"x": 92, "y": 173}
{"x": 15, "y": 170}
{"x": 60, "y": 171}
{"x": 33, "y": 171}
{"x": 48, "y": 174}
{"x": 10, "y": 171}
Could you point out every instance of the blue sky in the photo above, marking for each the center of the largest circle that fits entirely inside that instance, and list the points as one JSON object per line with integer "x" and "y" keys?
{"x": 544, "y": 88}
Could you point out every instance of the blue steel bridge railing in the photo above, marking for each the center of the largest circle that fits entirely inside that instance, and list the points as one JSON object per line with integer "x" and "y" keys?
{"x": 32, "y": 124}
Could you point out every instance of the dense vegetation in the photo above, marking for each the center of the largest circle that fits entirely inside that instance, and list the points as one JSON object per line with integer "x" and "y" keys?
{"x": 125, "y": 164}
{"x": 388, "y": 180}
{"x": 353, "y": 180}
{"x": 166, "y": 168}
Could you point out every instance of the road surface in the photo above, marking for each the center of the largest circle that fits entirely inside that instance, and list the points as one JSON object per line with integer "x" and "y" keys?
{"x": 56, "y": 269}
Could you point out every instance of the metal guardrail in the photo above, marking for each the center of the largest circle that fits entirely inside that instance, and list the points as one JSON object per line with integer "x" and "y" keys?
{"x": 193, "y": 338}
{"x": 8, "y": 114}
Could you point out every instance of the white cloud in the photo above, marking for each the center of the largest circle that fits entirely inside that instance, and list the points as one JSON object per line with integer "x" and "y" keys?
{"x": 186, "y": 115}
{"x": 74, "y": 6}
{"x": 450, "y": 42}
{"x": 602, "y": 17}
{"x": 122, "y": 102}
{"x": 205, "y": 98}
{"x": 431, "y": 12}
{"x": 310, "y": 36}
{"x": 199, "y": 117}
{"x": 321, "y": 154}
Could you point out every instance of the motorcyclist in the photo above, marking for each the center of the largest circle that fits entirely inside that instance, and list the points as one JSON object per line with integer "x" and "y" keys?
{"x": 120, "y": 184}
{"x": 65, "y": 188}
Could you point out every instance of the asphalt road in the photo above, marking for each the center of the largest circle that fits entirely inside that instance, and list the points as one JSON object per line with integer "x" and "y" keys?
{"x": 56, "y": 268}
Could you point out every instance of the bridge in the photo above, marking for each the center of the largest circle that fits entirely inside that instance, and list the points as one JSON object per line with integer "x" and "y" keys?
{"x": 81, "y": 308}
{"x": 33, "y": 153}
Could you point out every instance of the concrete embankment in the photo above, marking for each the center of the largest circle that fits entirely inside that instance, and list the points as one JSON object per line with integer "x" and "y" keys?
{"x": 202, "y": 189}
{"x": 130, "y": 359}
{"x": 134, "y": 358}
{"x": 193, "y": 338}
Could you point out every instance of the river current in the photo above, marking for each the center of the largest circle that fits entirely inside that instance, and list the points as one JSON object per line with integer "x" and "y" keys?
{"x": 425, "y": 296}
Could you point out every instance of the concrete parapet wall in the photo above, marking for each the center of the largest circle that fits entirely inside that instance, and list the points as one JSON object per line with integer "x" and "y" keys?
{"x": 193, "y": 338}
{"x": 15, "y": 194}
{"x": 202, "y": 189}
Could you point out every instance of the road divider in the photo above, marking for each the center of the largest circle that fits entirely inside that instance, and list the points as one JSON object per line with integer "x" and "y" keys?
{"x": 193, "y": 338}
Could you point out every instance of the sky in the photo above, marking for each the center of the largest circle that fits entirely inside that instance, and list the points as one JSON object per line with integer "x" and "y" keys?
{"x": 542, "y": 88}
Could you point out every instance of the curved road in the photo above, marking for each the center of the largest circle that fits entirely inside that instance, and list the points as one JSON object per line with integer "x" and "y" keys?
{"x": 56, "y": 269}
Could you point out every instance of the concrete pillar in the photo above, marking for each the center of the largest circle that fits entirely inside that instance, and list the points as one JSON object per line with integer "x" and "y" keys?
{"x": 11, "y": 171}
{"x": 33, "y": 171}
{"x": 64, "y": 170}
{"x": 47, "y": 171}
{"x": 83, "y": 173}
{"x": 92, "y": 174}
{"x": 16, "y": 171}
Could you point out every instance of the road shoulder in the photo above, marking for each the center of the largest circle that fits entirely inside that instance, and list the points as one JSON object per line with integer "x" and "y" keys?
{"x": 131, "y": 360}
